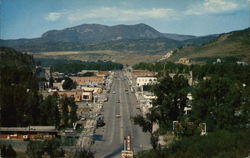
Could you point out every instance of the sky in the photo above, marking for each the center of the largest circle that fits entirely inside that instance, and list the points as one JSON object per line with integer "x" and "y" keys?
{"x": 31, "y": 18}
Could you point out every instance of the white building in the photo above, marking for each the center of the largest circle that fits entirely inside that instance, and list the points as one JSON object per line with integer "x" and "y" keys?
{"x": 142, "y": 81}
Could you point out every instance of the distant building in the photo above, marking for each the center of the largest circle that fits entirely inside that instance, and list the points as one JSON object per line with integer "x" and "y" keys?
{"x": 78, "y": 95}
{"x": 143, "y": 73}
{"x": 89, "y": 79}
{"x": 57, "y": 75}
{"x": 95, "y": 90}
{"x": 58, "y": 85}
{"x": 183, "y": 61}
{"x": 28, "y": 133}
{"x": 87, "y": 96}
{"x": 141, "y": 81}
{"x": 102, "y": 73}
{"x": 241, "y": 63}
{"x": 218, "y": 60}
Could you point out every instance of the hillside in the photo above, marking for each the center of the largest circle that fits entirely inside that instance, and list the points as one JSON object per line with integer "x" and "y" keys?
{"x": 232, "y": 44}
{"x": 11, "y": 58}
{"x": 178, "y": 37}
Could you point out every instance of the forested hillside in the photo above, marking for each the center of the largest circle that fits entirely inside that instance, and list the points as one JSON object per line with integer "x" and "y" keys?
{"x": 20, "y": 102}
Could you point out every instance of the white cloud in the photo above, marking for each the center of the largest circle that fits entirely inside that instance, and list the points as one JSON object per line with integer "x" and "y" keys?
{"x": 212, "y": 7}
{"x": 53, "y": 16}
{"x": 112, "y": 13}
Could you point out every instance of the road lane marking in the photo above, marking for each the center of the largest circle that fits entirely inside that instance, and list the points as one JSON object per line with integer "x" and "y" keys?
{"x": 121, "y": 112}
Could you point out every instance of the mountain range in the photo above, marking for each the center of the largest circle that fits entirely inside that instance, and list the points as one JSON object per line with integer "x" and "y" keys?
{"x": 94, "y": 36}
{"x": 131, "y": 44}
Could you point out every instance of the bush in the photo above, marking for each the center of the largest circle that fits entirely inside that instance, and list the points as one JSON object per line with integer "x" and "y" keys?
{"x": 7, "y": 151}
{"x": 219, "y": 144}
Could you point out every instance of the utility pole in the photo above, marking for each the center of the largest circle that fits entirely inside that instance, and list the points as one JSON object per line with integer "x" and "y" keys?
{"x": 164, "y": 69}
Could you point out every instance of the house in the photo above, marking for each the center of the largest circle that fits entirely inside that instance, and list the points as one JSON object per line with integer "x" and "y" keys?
{"x": 141, "y": 81}
{"x": 28, "y": 133}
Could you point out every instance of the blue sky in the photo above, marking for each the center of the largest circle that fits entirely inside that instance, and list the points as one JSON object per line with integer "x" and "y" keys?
{"x": 31, "y": 18}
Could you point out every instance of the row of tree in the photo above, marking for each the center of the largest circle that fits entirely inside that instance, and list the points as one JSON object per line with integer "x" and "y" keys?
{"x": 74, "y": 67}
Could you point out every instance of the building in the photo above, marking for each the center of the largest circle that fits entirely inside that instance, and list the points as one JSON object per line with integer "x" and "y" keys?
{"x": 57, "y": 75}
{"x": 184, "y": 61}
{"x": 58, "y": 85}
{"x": 87, "y": 96}
{"x": 78, "y": 95}
{"x": 143, "y": 73}
{"x": 102, "y": 73}
{"x": 141, "y": 81}
{"x": 88, "y": 79}
{"x": 28, "y": 133}
{"x": 95, "y": 90}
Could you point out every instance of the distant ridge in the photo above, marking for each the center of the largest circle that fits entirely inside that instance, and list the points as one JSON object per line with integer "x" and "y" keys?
{"x": 101, "y": 37}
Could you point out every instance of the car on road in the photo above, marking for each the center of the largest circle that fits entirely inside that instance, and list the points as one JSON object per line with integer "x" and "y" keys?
{"x": 118, "y": 101}
{"x": 113, "y": 92}
{"x": 117, "y": 115}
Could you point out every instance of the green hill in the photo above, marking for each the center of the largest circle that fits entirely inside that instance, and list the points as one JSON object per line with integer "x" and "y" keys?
{"x": 233, "y": 44}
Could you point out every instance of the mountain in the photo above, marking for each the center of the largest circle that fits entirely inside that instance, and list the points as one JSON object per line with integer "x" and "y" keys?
{"x": 97, "y": 33}
{"x": 234, "y": 44}
{"x": 97, "y": 37}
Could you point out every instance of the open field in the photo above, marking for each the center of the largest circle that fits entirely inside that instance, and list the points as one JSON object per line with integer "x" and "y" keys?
{"x": 125, "y": 57}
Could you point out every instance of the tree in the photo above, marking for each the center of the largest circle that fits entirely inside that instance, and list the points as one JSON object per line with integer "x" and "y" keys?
{"x": 7, "y": 151}
{"x": 84, "y": 154}
{"x": 168, "y": 107}
{"x": 69, "y": 109}
{"x": 36, "y": 149}
{"x": 51, "y": 81}
{"x": 68, "y": 84}
{"x": 49, "y": 111}
{"x": 218, "y": 102}
{"x": 171, "y": 100}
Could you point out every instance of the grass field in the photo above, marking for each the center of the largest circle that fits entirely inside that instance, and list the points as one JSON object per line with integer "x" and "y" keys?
{"x": 125, "y": 57}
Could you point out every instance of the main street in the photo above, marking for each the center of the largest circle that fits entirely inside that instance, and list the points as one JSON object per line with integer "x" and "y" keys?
{"x": 109, "y": 138}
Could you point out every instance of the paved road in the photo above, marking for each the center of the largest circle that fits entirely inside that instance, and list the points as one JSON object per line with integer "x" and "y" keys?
{"x": 109, "y": 139}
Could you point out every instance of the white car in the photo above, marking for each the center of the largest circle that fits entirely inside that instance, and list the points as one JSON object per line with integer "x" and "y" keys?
{"x": 117, "y": 115}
